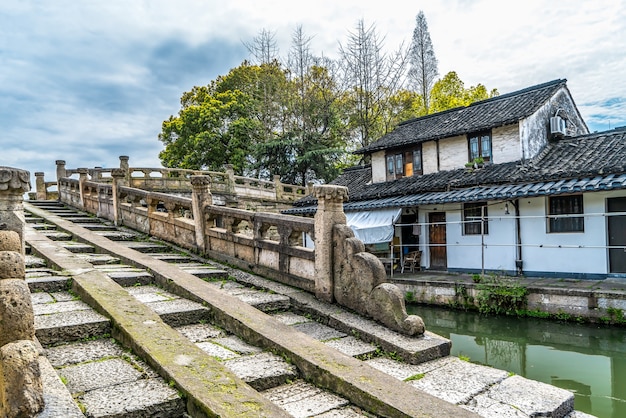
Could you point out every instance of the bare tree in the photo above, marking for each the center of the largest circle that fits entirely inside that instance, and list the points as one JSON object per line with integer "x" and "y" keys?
{"x": 263, "y": 47}
{"x": 423, "y": 71}
{"x": 370, "y": 77}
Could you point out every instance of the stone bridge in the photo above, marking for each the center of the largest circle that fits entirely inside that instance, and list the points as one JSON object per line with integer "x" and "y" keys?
{"x": 151, "y": 304}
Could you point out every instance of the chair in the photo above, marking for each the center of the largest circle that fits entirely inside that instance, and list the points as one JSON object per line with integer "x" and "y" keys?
{"x": 412, "y": 260}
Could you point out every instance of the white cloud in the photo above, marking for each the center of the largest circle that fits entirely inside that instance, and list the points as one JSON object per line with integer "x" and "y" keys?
{"x": 89, "y": 81}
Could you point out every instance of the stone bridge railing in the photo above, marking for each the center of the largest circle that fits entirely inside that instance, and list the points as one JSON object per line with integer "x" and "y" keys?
{"x": 21, "y": 390}
{"x": 238, "y": 191}
{"x": 318, "y": 255}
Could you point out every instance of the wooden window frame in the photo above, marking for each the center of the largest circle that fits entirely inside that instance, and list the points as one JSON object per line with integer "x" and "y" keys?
{"x": 479, "y": 137}
{"x": 472, "y": 214}
{"x": 565, "y": 205}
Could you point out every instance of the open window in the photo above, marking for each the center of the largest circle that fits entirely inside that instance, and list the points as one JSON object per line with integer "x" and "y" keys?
{"x": 404, "y": 163}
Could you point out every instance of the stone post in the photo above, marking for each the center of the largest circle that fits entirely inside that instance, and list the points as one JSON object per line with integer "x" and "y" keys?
{"x": 21, "y": 390}
{"x": 118, "y": 180}
{"x": 230, "y": 182}
{"x": 124, "y": 166}
{"x": 82, "y": 173}
{"x": 200, "y": 198}
{"x": 61, "y": 173}
{"x": 278, "y": 188}
{"x": 329, "y": 212}
{"x": 40, "y": 186}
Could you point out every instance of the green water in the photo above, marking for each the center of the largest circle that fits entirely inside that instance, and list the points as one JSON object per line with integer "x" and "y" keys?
{"x": 588, "y": 360}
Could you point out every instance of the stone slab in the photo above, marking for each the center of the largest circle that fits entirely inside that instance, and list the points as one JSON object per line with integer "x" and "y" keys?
{"x": 403, "y": 371}
{"x": 57, "y": 307}
{"x": 179, "y": 312}
{"x": 353, "y": 347}
{"x": 172, "y": 257}
{"x": 302, "y": 399}
{"x": 142, "y": 398}
{"x": 217, "y": 351}
{"x": 81, "y": 352}
{"x": 201, "y": 332}
{"x": 57, "y": 236}
{"x": 263, "y": 371}
{"x": 30, "y": 261}
{"x": 58, "y": 400}
{"x": 290, "y": 318}
{"x": 77, "y": 247}
{"x": 459, "y": 381}
{"x": 70, "y": 326}
{"x": 116, "y": 235}
{"x": 319, "y": 331}
{"x": 205, "y": 272}
{"x": 48, "y": 283}
{"x": 41, "y": 297}
{"x": 236, "y": 344}
{"x": 96, "y": 226}
{"x": 62, "y": 296}
{"x": 530, "y": 397}
{"x": 145, "y": 247}
{"x": 263, "y": 301}
{"x": 131, "y": 278}
{"x": 149, "y": 293}
{"x": 98, "y": 259}
{"x": 98, "y": 374}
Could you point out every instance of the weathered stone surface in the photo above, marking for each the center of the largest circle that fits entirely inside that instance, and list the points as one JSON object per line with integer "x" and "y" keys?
{"x": 200, "y": 332}
{"x": 262, "y": 371}
{"x": 58, "y": 400}
{"x": 10, "y": 241}
{"x": 352, "y": 346}
{"x": 11, "y": 265}
{"x": 81, "y": 352}
{"x": 98, "y": 374}
{"x": 21, "y": 390}
{"x": 142, "y": 398}
{"x": 302, "y": 399}
{"x": 530, "y": 397}
{"x": 387, "y": 305}
{"x": 16, "y": 312}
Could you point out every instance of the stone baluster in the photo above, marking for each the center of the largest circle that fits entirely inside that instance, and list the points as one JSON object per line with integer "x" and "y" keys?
{"x": 124, "y": 166}
{"x": 118, "y": 175}
{"x": 230, "y": 180}
{"x": 201, "y": 197}
{"x": 329, "y": 212}
{"x": 40, "y": 186}
{"x": 278, "y": 188}
{"x": 21, "y": 390}
{"x": 61, "y": 173}
{"x": 82, "y": 178}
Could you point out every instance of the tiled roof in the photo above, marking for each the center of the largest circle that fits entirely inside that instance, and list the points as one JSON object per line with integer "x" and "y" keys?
{"x": 498, "y": 111}
{"x": 585, "y": 163}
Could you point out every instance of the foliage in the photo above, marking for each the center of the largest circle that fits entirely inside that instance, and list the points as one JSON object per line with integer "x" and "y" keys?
{"x": 450, "y": 92}
{"x": 424, "y": 64}
{"x": 501, "y": 295}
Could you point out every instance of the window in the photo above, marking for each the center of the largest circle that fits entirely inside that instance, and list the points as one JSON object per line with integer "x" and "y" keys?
{"x": 565, "y": 205}
{"x": 472, "y": 214}
{"x": 480, "y": 146}
{"x": 404, "y": 164}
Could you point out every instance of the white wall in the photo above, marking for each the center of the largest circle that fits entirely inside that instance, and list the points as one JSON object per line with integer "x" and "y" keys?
{"x": 429, "y": 157}
{"x": 453, "y": 152}
{"x": 580, "y": 253}
{"x": 505, "y": 144}
{"x": 379, "y": 166}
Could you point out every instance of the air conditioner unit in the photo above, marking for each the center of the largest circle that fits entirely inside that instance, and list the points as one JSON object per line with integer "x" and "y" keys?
{"x": 557, "y": 126}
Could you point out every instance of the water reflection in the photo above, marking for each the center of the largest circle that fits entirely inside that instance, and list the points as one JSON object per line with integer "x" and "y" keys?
{"x": 588, "y": 360}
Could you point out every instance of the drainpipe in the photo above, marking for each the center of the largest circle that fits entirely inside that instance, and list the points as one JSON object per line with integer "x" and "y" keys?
{"x": 518, "y": 237}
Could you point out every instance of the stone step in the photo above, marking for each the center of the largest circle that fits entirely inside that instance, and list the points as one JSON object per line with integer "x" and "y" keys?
{"x": 31, "y": 261}
{"x": 110, "y": 382}
{"x": 205, "y": 272}
{"x": 262, "y": 371}
{"x": 146, "y": 246}
{"x": 32, "y": 219}
{"x": 46, "y": 280}
{"x": 481, "y": 389}
{"x": 173, "y": 310}
{"x": 98, "y": 259}
{"x": 131, "y": 278}
{"x": 82, "y": 220}
{"x": 59, "y": 317}
{"x": 77, "y": 247}
{"x": 57, "y": 235}
{"x": 117, "y": 235}
{"x": 97, "y": 226}
{"x": 43, "y": 226}
{"x": 301, "y": 399}
{"x": 262, "y": 300}
{"x": 172, "y": 258}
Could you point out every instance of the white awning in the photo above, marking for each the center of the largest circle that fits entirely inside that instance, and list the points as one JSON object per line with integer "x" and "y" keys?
{"x": 373, "y": 226}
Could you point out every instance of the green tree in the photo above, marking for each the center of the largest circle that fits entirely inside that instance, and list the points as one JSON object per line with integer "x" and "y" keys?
{"x": 199, "y": 139}
{"x": 450, "y": 92}
{"x": 424, "y": 64}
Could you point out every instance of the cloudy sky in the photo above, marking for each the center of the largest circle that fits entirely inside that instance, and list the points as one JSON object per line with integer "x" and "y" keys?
{"x": 88, "y": 81}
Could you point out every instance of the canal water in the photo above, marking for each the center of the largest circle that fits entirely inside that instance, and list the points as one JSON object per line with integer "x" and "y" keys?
{"x": 589, "y": 360}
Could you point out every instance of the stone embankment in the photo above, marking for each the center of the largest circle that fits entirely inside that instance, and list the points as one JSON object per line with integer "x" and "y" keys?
{"x": 134, "y": 327}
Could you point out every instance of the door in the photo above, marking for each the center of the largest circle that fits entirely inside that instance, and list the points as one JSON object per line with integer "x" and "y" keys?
{"x": 437, "y": 240}
{"x": 617, "y": 235}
